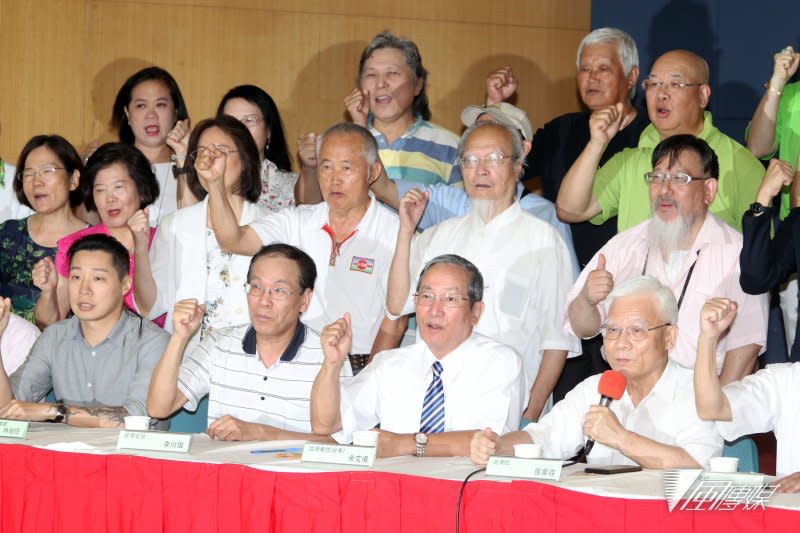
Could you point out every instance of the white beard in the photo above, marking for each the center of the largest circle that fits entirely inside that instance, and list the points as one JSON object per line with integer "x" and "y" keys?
{"x": 483, "y": 208}
{"x": 670, "y": 236}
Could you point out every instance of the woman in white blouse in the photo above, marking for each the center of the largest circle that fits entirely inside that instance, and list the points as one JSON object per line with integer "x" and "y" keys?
{"x": 256, "y": 109}
{"x": 186, "y": 259}
{"x": 149, "y": 112}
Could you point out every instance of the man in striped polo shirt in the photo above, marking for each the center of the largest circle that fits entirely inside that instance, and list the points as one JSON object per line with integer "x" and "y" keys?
{"x": 258, "y": 376}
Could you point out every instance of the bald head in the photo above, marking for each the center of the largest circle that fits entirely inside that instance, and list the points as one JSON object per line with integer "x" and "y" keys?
{"x": 677, "y": 93}
{"x": 695, "y": 65}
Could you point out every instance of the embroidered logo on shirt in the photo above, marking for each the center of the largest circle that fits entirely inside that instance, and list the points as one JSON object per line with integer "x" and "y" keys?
{"x": 362, "y": 264}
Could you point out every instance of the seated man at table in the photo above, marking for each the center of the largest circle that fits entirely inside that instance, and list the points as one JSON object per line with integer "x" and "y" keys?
{"x": 257, "y": 376}
{"x": 98, "y": 362}
{"x": 686, "y": 248}
{"x": 762, "y": 402}
{"x": 654, "y": 424}
{"x": 428, "y": 397}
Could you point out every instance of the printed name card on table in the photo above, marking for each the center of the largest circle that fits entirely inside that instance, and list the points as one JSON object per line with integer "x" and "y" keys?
{"x": 338, "y": 454}
{"x": 13, "y": 429}
{"x": 153, "y": 441}
{"x": 541, "y": 469}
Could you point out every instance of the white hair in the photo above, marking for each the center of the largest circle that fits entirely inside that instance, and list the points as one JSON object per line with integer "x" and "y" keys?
{"x": 626, "y": 49}
{"x": 663, "y": 296}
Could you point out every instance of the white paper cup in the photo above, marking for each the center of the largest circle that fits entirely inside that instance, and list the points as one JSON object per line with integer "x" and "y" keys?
{"x": 723, "y": 464}
{"x": 528, "y": 451}
{"x": 137, "y": 422}
{"x": 365, "y": 438}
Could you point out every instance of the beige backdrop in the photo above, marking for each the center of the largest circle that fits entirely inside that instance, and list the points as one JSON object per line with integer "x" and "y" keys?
{"x": 62, "y": 61}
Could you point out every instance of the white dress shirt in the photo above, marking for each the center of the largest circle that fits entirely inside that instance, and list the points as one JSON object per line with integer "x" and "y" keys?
{"x": 482, "y": 380}
{"x": 767, "y": 401}
{"x": 666, "y": 415}
{"x": 526, "y": 271}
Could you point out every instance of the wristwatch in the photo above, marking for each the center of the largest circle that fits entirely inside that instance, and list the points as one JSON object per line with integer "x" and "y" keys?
{"x": 63, "y": 413}
{"x": 177, "y": 171}
{"x": 422, "y": 440}
{"x": 757, "y": 209}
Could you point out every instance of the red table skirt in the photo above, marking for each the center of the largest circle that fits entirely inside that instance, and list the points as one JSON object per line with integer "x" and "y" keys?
{"x": 44, "y": 491}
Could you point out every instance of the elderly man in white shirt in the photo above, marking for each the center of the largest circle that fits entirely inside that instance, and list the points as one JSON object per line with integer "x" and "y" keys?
{"x": 762, "y": 402}
{"x": 654, "y": 424}
{"x": 350, "y": 236}
{"x": 524, "y": 260}
{"x": 428, "y": 397}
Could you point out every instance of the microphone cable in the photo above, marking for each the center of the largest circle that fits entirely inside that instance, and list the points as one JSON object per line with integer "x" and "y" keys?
{"x": 461, "y": 493}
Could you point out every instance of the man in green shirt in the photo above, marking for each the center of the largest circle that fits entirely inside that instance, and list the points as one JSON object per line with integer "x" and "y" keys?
{"x": 677, "y": 93}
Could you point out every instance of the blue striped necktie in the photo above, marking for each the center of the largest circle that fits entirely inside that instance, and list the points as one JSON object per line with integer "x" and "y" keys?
{"x": 432, "y": 419}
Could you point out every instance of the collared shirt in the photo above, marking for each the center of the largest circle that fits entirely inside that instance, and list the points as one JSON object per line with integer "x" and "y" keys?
{"x": 354, "y": 280}
{"x": 787, "y": 135}
{"x": 179, "y": 262}
{"x": 526, "y": 270}
{"x": 621, "y": 191}
{"x": 767, "y": 401}
{"x": 226, "y": 367}
{"x": 10, "y": 208}
{"x": 666, "y": 415}
{"x": 482, "y": 382}
{"x": 716, "y": 274}
{"x": 446, "y": 202}
{"x": 114, "y": 373}
{"x": 17, "y": 341}
{"x": 426, "y": 153}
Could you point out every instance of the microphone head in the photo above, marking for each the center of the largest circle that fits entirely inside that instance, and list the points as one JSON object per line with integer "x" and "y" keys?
{"x": 612, "y": 384}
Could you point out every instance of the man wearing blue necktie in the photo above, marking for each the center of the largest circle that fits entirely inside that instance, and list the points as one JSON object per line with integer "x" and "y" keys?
{"x": 428, "y": 397}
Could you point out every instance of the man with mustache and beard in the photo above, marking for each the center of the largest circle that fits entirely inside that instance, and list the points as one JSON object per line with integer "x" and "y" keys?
{"x": 686, "y": 248}
{"x": 523, "y": 259}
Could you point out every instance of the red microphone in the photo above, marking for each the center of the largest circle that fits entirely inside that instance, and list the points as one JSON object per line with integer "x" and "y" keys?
{"x": 611, "y": 387}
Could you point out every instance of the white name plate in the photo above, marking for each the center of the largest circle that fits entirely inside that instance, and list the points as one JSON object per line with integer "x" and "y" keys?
{"x": 541, "y": 469}
{"x": 13, "y": 429}
{"x": 153, "y": 441}
{"x": 338, "y": 454}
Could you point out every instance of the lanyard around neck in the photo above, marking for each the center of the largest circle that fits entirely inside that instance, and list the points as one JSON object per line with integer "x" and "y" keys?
{"x": 688, "y": 274}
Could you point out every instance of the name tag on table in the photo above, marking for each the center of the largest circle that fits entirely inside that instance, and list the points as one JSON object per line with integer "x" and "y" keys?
{"x": 13, "y": 429}
{"x": 153, "y": 441}
{"x": 541, "y": 469}
{"x": 338, "y": 454}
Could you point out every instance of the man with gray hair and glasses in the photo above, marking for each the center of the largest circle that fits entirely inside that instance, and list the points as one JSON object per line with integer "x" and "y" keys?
{"x": 350, "y": 236}
{"x": 687, "y": 249}
{"x": 429, "y": 397}
{"x": 654, "y": 424}
{"x": 677, "y": 92}
{"x": 523, "y": 259}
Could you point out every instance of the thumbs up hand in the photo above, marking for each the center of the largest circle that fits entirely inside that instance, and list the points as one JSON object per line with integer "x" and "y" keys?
{"x": 599, "y": 283}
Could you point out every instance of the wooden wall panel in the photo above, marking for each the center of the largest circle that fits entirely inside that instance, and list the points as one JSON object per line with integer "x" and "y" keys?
{"x": 64, "y": 60}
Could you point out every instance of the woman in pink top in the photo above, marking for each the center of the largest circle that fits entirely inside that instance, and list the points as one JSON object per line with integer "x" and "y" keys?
{"x": 118, "y": 182}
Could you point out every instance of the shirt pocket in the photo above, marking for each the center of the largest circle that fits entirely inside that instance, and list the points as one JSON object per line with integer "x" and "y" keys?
{"x": 514, "y": 296}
